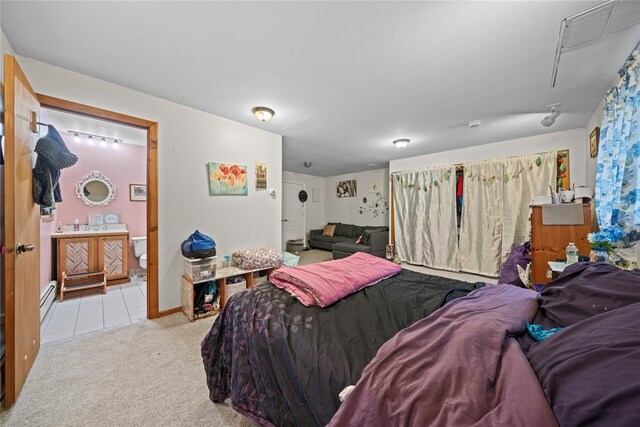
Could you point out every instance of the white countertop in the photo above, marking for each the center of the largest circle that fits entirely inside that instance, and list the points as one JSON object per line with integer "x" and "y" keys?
{"x": 87, "y": 232}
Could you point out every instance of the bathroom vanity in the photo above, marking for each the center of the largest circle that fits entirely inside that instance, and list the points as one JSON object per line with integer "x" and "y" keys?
{"x": 89, "y": 251}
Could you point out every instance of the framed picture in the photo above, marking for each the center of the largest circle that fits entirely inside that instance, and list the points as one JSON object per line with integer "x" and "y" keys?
{"x": 227, "y": 179}
{"x": 594, "y": 141}
{"x": 96, "y": 219}
{"x": 346, "y": 188}
{"x": 111, "y": 218}
{"x": 315, "y": 195}
{"x": 137, "y": 192}
{"x": 261, "y": 176}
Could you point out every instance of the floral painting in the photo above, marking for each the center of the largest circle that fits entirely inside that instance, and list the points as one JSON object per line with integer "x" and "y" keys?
{"x": 227, "y": 179}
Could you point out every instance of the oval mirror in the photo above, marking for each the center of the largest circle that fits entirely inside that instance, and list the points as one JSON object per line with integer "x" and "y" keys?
{"x": 95, "y": 190}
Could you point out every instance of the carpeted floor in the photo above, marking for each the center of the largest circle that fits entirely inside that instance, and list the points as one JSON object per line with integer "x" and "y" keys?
{"x": 145, "y": 374}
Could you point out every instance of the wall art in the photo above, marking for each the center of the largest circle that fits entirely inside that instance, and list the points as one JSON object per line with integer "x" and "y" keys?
{"x": 346, "y": 188}
{"x": 227, "y": 179}
{"x": 261, "y": 176}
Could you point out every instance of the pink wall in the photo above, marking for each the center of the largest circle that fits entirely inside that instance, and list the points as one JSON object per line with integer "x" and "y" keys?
{"x": 122, "y": 166}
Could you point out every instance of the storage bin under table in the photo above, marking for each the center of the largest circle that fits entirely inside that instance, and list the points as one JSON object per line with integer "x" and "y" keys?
{"x": 220, "y": 278}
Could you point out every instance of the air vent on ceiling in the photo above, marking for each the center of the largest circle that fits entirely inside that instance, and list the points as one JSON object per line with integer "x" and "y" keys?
{"x": 592, "y": 24}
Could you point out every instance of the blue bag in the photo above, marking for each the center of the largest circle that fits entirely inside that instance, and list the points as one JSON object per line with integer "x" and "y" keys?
{"x": 198, "y": 245}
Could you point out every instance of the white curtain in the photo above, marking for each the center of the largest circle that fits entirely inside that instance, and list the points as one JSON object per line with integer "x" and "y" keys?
{"x": 524, "y": 178}
{"x": 425, "y": 217}
{"x": 481, "y": 226}
{"x": 495, "y": 213}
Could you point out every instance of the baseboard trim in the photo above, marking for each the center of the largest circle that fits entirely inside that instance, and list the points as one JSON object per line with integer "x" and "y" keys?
{"x": 170, "y": 311}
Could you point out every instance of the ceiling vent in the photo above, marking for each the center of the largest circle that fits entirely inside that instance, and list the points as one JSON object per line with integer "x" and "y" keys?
{"x": 586, "y": 27}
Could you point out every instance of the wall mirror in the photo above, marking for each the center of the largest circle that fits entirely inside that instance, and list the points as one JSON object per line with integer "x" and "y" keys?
{"x": 95, "y": 189}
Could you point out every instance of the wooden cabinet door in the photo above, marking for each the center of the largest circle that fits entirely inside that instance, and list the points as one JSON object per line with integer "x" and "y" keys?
{"x": 77, "y": 255}
{"x": 112, "y": 255}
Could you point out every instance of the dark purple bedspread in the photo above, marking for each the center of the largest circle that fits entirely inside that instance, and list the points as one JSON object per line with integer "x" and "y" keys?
{"x": 283, "y": 364}
{"x": 457, "y": 367}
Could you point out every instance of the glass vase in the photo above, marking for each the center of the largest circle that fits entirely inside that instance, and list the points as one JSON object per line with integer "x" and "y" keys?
{"x": 598, "y": 255}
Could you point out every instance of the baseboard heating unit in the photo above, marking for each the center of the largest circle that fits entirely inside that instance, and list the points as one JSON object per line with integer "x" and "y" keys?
{"x": 47, "y": 297}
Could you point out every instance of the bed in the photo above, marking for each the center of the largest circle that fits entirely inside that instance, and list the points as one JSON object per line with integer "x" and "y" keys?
{"x": 415, "y": 361}
{"x": 282, "y": 363}
{"x": 472, "y": 363}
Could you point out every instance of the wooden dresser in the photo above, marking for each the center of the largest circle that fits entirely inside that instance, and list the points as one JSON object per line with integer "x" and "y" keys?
{"x": 548, "y": 242}
{"x": 80, "y": 252}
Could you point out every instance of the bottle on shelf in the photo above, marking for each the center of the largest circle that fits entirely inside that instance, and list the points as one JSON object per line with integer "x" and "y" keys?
{"x": 59, "y": 227}
{"x": 572, "y": 253}
{"x": 76, "y": 225}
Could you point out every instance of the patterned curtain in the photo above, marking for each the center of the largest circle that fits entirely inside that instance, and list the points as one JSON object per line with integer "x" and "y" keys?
{"x": 425, "y": 217}
{"x": 617, "y": 180}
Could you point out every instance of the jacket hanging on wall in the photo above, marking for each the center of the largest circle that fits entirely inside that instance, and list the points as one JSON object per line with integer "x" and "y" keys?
{"x": 53, "y": 155}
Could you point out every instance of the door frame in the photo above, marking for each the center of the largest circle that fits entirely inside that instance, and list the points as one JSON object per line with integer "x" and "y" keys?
{"x": 304, "y": 215}
{"x": 151, "y": 128}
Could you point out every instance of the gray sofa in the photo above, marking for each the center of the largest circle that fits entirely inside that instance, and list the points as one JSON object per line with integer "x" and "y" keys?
{"x": 343, "y": 242}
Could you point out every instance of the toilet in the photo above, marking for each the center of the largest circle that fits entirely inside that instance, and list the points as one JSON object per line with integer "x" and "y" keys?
{"x": 140, "y": 249}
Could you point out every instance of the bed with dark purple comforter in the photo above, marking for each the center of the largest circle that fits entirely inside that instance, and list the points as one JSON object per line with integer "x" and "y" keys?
{"x": 283, "y": 364}
{"x": 472, "y": 363}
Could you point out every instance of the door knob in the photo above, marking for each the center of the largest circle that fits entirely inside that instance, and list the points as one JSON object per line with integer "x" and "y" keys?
{"x": 21, "y": 247}
{"x": 285, "y": 220}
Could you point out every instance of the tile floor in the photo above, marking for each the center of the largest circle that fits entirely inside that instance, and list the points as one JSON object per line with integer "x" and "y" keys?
{"x": 91, "y": 311}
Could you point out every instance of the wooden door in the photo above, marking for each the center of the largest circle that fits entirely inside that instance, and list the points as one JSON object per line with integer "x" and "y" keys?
{"x": 112, "y": 256}
{"x": 77, "y": 255}
{"x": 21, "y": 225}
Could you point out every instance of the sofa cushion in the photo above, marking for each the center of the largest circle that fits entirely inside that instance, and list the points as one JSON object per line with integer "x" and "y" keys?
{"x": 344, "y": 230}
{"x": 351, "y": 247}
{"x": 357, "y": 231}
{"x": 368, "y": 232}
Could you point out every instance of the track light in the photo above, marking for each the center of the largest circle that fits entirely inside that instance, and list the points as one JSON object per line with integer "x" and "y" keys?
{"x": 115, "y": 144}
{"x": 90, "y": 139}
{"x": 551, "y": 118}
{"x": 103, "y": 142}
{"x": 76, "y": 138}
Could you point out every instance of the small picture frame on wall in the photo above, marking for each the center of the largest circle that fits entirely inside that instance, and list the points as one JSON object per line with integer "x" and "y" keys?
{"x": 594, "y": 141}
{"x": 137, "y": 192}
{"x": 346, "y": 188}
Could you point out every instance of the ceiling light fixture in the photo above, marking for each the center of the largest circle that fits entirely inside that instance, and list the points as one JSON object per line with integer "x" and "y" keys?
{"x": 115, "y": 144}
{"x": 90, "y": 139}
{"x": 475, "y": 123}
{"x": 307, "y": 164}
{"x": 263, "y": 114}
{"x": 551, "y": 118}
{"x": 401, "y": 143}
{"x": 76, "y": 138}
{"x": 103, "y": 142}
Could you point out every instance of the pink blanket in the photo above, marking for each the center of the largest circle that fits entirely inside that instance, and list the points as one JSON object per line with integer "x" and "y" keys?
{"x": 326, "y": 282}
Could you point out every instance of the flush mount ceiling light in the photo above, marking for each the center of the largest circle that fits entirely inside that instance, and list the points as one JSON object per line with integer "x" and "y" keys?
{"x": 551, "y": 118}
{"x": 401, "y": 143}
{"x": 307, "y": 164}
{"x": 475, "y": 123}
{"x": 263, "y": 113}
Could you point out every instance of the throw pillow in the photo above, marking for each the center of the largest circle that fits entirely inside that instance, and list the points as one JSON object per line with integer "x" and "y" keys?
{"x": 357, "y": 231}
{"x": 359, "y": 239}
{"x": 329, "y": 230}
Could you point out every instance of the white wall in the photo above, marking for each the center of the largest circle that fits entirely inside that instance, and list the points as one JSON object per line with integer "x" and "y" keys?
{"x": 313, "y": 211}
{"x": 571, "y": 139}
{"x": 590, "y": 164}
{"x": 347, "y": 210}
{"x": 187, "y": 140}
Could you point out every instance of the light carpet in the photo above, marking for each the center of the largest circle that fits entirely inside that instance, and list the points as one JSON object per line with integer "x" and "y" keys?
{"x": 145, "y": 374}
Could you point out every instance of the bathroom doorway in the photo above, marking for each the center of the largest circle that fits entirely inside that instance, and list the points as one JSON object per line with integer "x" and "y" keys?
{"x": 115, "y": 197}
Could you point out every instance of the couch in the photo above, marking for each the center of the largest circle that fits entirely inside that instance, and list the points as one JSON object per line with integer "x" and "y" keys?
{"x": 343, "y": 242}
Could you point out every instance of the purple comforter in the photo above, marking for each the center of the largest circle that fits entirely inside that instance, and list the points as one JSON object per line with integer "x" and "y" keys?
{"x": 458, "y": 367}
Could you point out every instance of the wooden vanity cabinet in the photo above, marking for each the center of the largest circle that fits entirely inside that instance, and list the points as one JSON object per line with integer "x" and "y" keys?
{"x": 89, "y": 253}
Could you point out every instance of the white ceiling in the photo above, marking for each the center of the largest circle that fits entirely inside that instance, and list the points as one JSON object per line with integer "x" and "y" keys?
{"x": 345, "y": 78}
